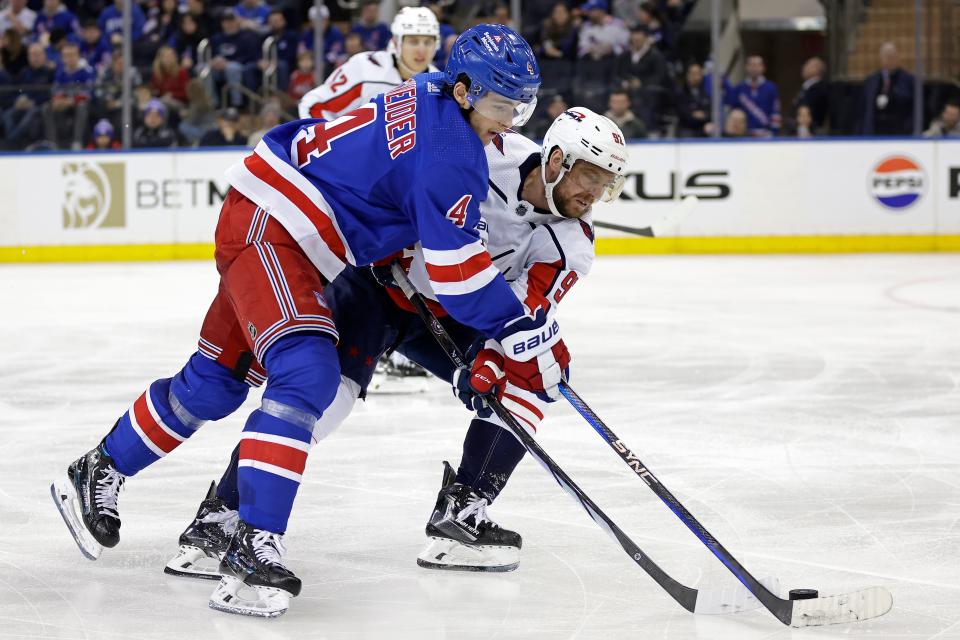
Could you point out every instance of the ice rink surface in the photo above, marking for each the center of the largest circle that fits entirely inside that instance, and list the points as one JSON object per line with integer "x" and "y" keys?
{"x": 806, "y": 409}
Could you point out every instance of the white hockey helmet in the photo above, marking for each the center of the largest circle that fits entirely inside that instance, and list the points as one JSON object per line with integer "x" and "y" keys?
{"x": 584, "y": 135}
{"x": 414, "y": 21}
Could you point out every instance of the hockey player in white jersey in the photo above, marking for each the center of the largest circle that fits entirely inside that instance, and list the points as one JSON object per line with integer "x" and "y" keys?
{"x": 416, "y": 36}
{"x": 540, "y": 236}
{"x": 537, "y": 227}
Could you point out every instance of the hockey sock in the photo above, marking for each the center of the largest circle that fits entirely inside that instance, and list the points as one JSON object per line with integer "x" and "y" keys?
{"x": 303, "y": 378}
{"x": 170, "y": 411}
{"x": 227, "y": 489}
{"x": 334, "y": 415}
{"x": 490, "y": 454}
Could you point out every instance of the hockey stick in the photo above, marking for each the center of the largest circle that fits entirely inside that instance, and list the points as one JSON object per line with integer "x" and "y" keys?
{"x": 849, "y": 607}
{"x": 664, "y": 227}
{"x": 726, "y": 600}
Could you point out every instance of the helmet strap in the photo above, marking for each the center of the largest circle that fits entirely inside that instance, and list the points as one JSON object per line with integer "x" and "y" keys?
{"x": 548, "y": 186}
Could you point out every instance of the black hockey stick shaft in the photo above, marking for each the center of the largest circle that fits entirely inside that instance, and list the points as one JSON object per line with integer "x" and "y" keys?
{"x": 782, "y": 609}
{"x": 684, "y": 595}
{"x": 646, "y": 232}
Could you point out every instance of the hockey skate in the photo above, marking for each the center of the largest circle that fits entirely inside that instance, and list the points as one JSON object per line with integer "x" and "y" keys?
{"x": 397, "y": 374}
{"x": 204, "y": 541}
{"x": 87, "y": 501}
{"x": 461, "y": 537}
{"x": 254, "y": 580}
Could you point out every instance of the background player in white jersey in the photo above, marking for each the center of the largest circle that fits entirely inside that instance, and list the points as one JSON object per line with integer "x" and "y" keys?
{"x": 416, "y": 36}
{"x": 537, "y": 225}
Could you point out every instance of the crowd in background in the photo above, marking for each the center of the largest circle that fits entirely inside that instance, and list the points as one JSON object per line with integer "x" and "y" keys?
{"x": 61, "y": 67}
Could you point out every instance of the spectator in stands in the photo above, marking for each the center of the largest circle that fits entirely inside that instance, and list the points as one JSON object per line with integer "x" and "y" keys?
{"x": 642, "y": 71}
{"x": 735, "y": 125}
{"x": 286, "y": 43}
{"x": 813, "y": 92}
{"x": 333, "y": 41}
{"x": 111, "y": 21}
{"x": 759, "y": 99}
{"x": 602, "y": 35}
{"x": 270, "y": 116}
{"x": 302, "y": 79}
{"x": 948, "y": 124}
{"x": 154, "y": 132}
{"x": 558, "y": 34}
{"x": 448, "y": 35}
{"x": 54, "y": 15}
{"x": 374, "y": 34}
{"x": 227, "y": 133}
{"x": 252, "y": 15}
{"x": 197, "y": 119}
{"x": 500, "y": 15}
{"x": 102, "y": 138}
{"x": 542, "y": 119}
{"x": 619, "y": 111}
{"x": 169, "y": 80}
{"x": 6, "y": 97}
{"x": 206, "y": 25}
{"x": 23, "y": 122}
{"x": 804, "y": 127}
{"x": 56, "y": 39}
{"x": 234, "y": 58}
{"x": 69, "y": 106}
{"x": 13, "y": 53}
{"x": 186, "y": 39}
{"x": 353, "y": 44}
{"x": 161, "y": 25}
{"x": 111, "y": 86}
{"x": 94, "y": 47}
{"x": 18, "y": 16}
{"x": 888, "y": 97}
{"x": 693, "y": 104}
{"x": 650, "y": 18}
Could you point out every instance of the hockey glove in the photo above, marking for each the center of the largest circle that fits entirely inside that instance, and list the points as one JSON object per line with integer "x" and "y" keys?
{"x": 536, "y": 359}
{"x": 482, "y": 380}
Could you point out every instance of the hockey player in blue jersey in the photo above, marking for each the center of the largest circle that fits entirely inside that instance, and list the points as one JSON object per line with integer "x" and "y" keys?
{"x": 312, "y": 198}
{"x": 537, "y": 223}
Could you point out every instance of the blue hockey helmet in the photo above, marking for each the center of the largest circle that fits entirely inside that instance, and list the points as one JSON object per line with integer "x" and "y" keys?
{"x": 497, "y": 61}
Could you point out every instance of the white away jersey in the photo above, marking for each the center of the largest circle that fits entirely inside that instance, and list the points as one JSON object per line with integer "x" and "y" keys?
{"x": 361, "y": 78}
{"x": 539, "y": 254}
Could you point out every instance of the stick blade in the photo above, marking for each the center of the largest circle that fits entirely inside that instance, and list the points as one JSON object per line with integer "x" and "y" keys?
{"x": 673, "y": 220}
{"x": 847, "y": 607}
{"x": 732, "y": 599}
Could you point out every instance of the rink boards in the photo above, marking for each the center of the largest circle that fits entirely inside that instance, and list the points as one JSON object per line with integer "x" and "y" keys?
{"x": 754, "y": 196}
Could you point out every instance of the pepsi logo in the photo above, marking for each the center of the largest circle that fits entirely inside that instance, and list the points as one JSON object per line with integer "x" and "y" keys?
{"x": 897, "y": 182}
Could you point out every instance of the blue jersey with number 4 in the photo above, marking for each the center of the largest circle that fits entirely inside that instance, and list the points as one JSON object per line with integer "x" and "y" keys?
{"x": 403, "y": 168}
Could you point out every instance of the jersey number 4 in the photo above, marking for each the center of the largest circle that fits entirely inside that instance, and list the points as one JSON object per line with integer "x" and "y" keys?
{"x": 314, "y": 142}
{"x": 458, "y": 212}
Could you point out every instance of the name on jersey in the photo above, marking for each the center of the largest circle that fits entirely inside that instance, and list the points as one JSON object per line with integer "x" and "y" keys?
{"x": 401, "y": 118}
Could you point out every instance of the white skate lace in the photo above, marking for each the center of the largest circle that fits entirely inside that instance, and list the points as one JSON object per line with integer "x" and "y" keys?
{"x": 226, "y": 518}
{"x": 477, "y": 507}
{"x": 268, "y": 547}
{"x": 108, "y": 492}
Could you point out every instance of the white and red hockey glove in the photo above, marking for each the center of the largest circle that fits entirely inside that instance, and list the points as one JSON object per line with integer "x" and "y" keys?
{"x": 484, "y": 379}
{"x": 535, "y": 357}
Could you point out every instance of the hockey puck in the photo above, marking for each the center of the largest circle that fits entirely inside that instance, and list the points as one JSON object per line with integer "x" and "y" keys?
{"x": 804, "y": 594}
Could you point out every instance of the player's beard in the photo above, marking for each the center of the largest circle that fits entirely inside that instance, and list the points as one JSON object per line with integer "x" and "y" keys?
{"x": 568, "y": 206}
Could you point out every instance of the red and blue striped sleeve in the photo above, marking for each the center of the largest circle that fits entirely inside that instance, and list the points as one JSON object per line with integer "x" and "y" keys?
{"x": 468, "y": 285}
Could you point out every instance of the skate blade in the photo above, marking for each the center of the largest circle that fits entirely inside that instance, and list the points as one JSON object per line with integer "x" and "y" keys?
{"x": 68, "y": 504}
{"x": 449, "y": 555}
{"x": 193, "y": 562}
{"x": 233, "y": 596}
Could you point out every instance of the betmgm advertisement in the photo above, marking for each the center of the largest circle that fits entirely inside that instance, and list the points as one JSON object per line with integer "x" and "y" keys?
{"x": 751, "y": 197}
